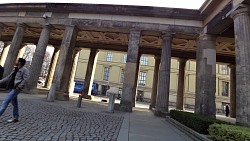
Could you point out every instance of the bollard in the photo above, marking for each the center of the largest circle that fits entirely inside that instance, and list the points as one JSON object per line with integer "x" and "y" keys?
{"x": 111, "y": 102}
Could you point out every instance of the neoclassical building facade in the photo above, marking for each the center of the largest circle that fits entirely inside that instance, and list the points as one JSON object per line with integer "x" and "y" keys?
{"x": 217, "y": 32}
{"x": 110, "y": 71}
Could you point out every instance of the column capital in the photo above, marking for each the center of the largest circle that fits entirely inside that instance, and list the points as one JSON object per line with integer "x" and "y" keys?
{"x": 166, "y": 34}
{"x": 208, "y": 37}
{"x": 23, "y": 25}
{"x": 49, "y": 26}
{"x": 231, "y": 66}
{"x": 184, "y": 60}
{"x": 240, "y": 11}
{"x": 77, "y": 50}
{"x": 157, "y": 57}
{"x": 72, "y": 26}
{"x": 56, "y": 47}
{"x": 94, "y": 49}
{"x": 135, "y": 31}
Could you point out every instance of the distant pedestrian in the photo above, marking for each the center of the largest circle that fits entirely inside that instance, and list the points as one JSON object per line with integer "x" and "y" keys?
{"x": 227, "y": 110}
{"x": 16, "y": 82}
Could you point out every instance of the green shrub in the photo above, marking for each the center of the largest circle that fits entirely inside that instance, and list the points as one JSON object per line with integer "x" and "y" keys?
{"x": 196, "y": 122}
{"x": 223, "y": 132}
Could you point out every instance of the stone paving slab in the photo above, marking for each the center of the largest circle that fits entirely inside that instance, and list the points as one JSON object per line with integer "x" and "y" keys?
{"x": 63, "y": 121}
{"x": 59, "y": 121}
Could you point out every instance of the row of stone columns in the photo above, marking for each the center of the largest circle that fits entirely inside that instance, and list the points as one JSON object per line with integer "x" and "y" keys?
{"x": 205, "y": 83}
{"x": 63, "y": 69}
{"x": 206, "y": 75}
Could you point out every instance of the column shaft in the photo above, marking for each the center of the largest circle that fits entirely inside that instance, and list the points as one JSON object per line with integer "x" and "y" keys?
{"x": 90, "y": 72}
{"x": 14, "y": 49}
{"x": 232, "y": 91}
{"x": 89, "y": 76}
{"x": 242, "y": 53}
{"x": 206, "y": 75}
{"x": 136, "y": 80}
{"x": 1, "y": 29}
{"x": 64, "y": 66}
{"x": 38, "y": 57}
{"x": 52, "y": 67}
{"x": 131, "y": 71}
{"x": 155, "y": 82}
{"x": 181, "y": 83}
{"x": 72, "y": 76}
{"x": 162, "y": 101}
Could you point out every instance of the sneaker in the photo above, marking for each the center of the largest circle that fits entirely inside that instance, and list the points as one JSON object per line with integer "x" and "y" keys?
{"x": 12, "y": 120}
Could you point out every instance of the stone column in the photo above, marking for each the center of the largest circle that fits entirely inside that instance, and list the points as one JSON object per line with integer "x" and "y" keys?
{"x": 232, "y": 91}
{"x": 136, "y": 80}
{"x": 14, "y": 49}
{"x": 162, "y": 101}
{"x": 155, "y": 82}
{"x": 52, "y": 67}
{"x": 72, "y": 76}
{"x": 131, "y": 71}
{"x": 89, "y": 77}
{"x": 205, "y": 75}
{"x": 4, "y": 53}
{"x": 1, "y": 29}
{"x": 59, "y": 88}
{"x": 38, "y": 57}
{"x": 21, "y": 51}
{"x": 181, "y": 84}
{"x": 242, "y": 52}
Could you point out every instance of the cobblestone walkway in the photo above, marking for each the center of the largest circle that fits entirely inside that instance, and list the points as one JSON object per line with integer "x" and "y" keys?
{"x": 58, "y": 121}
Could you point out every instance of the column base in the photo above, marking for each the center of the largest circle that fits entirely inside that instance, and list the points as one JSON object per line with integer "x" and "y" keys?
{"x": 126, "y": 106}
{"x": 87, "y": 97}
{"x": 151, "y": 106}
{"x": 161, "y": 111}
{"x": 161, "y": 114}
{"x": 62, "y": 96}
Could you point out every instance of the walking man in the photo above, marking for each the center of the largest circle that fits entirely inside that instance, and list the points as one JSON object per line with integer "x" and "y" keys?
{"x": 16, "y": 82}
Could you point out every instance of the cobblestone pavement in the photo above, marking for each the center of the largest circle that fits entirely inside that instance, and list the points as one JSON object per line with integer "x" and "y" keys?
{"x": 59, "y": 121}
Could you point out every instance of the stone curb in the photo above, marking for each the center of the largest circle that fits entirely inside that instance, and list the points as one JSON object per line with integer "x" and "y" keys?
{"x": 190, "y": 132}
{"x": 124, "y": 131}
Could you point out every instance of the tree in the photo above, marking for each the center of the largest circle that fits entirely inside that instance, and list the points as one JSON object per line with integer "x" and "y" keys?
{"x": 29, "y": 52}
{"x": 28, "y": 55}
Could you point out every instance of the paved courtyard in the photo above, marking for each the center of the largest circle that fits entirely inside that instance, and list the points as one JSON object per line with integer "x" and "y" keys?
{"x": 59, "y": 121}
{"x": 62, "y": 121}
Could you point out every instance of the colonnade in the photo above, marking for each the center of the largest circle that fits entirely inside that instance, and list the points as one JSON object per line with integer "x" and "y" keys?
{"x": 65, "y": 57}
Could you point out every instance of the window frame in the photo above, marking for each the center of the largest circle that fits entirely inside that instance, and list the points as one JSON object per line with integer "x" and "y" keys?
{"x": 106, "y": 72}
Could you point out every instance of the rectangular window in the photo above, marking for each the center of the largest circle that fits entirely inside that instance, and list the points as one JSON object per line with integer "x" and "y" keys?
{"x": 224, "y": 69}
{"x": 109, "y": 56}
{"x": 122, "y": 76}
{"x": 124, "y": 58}
{"x": 225, "y": 88}
{"x": 144, "y": 60}
{"x": 106, "y": 73}
{"x": 120, "y": 91}
{"x": 142, "y": 78}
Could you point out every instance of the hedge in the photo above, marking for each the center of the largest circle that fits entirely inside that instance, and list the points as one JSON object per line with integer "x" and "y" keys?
{"x": 196, "y": 122}
{"x": 223, "y": 132}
